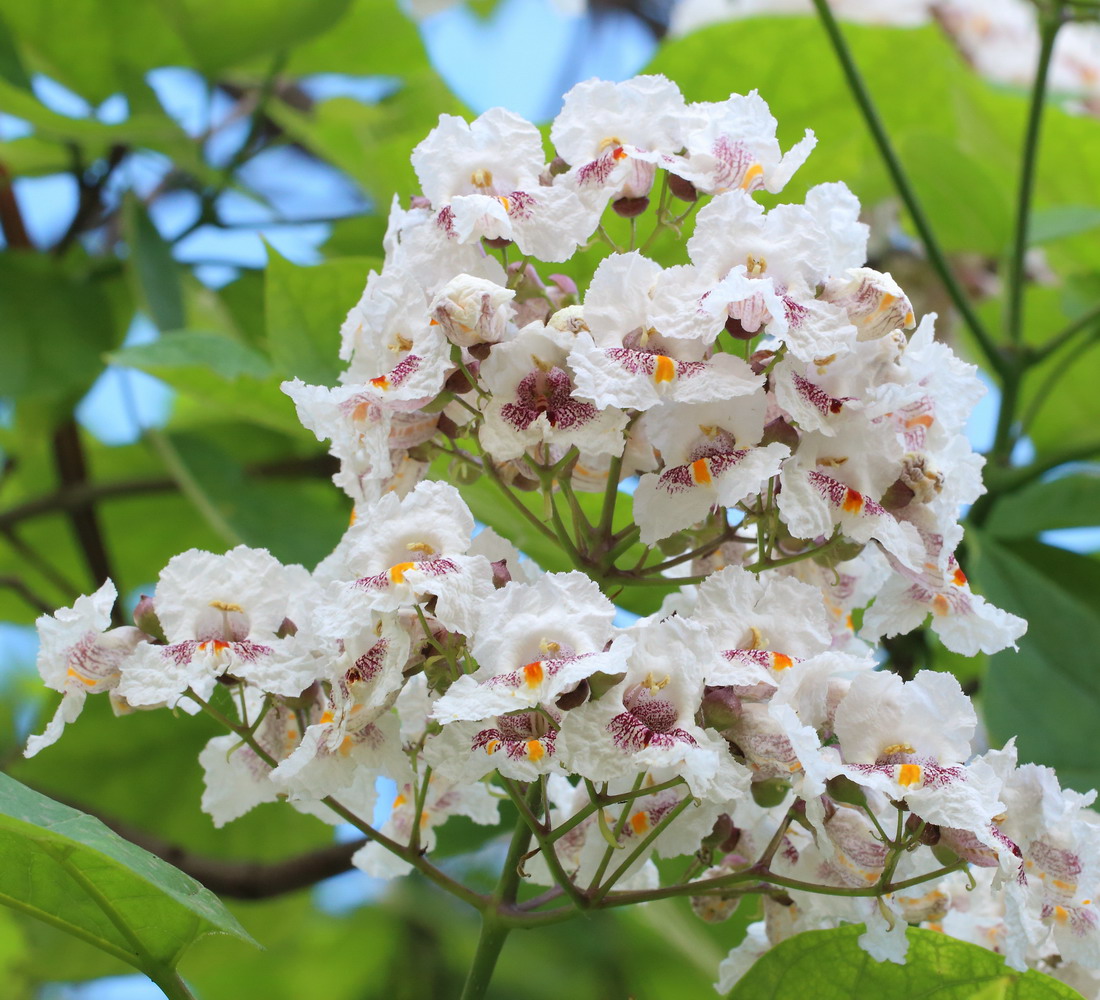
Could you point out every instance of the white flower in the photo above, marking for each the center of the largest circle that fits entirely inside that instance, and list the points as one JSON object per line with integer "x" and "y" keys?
{"x": 78, "y": 655}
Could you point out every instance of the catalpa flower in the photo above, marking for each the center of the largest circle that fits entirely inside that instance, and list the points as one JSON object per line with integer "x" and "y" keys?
{"x": 482, "y": 180}
{"x": 402, "y": 550}
{"x": 222, "y": 615}
{"x": 624, "y": 360}
{"x": 534, "y": 642}
{"x": 533, "y": 399}
{"x": 648, "y": 719}
{"x": 731, "y": 145}
{"x": 78, "y": 655}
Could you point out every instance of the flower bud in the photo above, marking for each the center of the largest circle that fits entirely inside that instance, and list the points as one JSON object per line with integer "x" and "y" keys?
{"x": 682, "y": 188}
{"x": 497, "y": 242}
{"x": 779, "y": 431}
{"x": 737, "y": 331}
{"x": 770, "y": 792}
{"x": 630, "y": 208}
{"x": 145, "y": 618}
{"x": 501, "y": 575}
{"x": 721, "y": 708}
{"x": 842, "y": 789}
{"x": 459, "y": 382}
{"x": 575, "y": 698}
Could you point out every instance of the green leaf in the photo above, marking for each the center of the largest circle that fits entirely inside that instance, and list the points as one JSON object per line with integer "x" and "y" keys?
{"x": 154, "y": 270}
{"x": 56, "y": 328}
{"x": 372, "y": 144}
{"x": 342, "y": 50}
{"x": 224, "y": 33}
{"x": 305, "y": 308}
{"x": 1055, "y": 223}
{"x": 1070, "y": 501}
{"x": 227, "y": 357}
{"x": 829, "y": 965}
{"x": 68, "y": 869}
{"x": 11, "y": 66}
{"x": 1047, "y": 694}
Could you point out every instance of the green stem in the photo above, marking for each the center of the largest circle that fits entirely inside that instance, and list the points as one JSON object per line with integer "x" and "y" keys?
{"x": 666, "y": 821}
{"x": 1056, "y": 342}
{"x": 874, "y": 124}
{"x": 516, "y": 502}
{"x": 413, "y": 857}
{"x": 494, "y": 932}
{"x": 495, "y": 925}
{"x": 1049, "y": 23}
{"x": 546, "y": 846}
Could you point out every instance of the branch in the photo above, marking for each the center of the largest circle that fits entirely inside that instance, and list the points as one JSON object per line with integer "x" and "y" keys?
{"x": 68, "y": 453}
{"x": 76, "y": 495}
{"x": 11, "y": 217}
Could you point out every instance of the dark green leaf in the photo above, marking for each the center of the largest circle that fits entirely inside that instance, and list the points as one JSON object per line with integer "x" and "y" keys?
{"x": 155, "y": 272}
{"x": 55, "y": 328}
{"x": 68, "y": 869}
{"x": 1047, "y": 694}
{"x": 1069, "y": 501}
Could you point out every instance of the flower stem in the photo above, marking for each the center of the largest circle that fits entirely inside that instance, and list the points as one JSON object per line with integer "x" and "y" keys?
{"x": 1049, "y": 23}
{"x": 893, "y": 165}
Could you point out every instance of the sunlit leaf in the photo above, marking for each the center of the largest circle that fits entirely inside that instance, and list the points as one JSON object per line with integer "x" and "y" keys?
{"x": 829, "y": 965}
{"x": 68, "y": 869}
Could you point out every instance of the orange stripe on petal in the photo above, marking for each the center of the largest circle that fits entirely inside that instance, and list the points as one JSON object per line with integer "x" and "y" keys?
{"x": 533, "y": 674}
{"x": 639, "y": 822}
{"x": 700, "y": 471}
{"x": 382, "y": 382}
{"x": 755, "y": 171}
{"x": 397, "y": 573}
{"x": 958, "y": 578}
{"x": 909, "y": 774}
{"x": 535, "y": 750}
{"x": 89, "y": 681}
{"x": 853, "y": 502}
{"x": 781, "y": 662}
{"x": 665, "y": 370}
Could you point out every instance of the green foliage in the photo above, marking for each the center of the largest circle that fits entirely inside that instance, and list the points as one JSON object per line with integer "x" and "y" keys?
{"x": 68, "y": 869}
{"x": 305, "y": 308}
{"x": 1070, "y": 501}
{"x": 36, "y": 295}
{"x": 936, "y": 965}
{"x": 1047, "y": 694}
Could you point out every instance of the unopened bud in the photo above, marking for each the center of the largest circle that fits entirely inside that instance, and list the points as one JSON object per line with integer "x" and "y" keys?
{"x": 459, "y": 382}
{"x": 497, "y": 242}
{"x": 448, "y": 428}
{"x": 630, "y": 208}
{"x": 714, "y": 908}
{"x": 721, "y": 708}
{"x": 480, "y": 351}
{"x": 419, "y": 201}
{"x": 682, "y": 188}
{"x": 145, "y": 618}
{"x": 759, "y": 360}
{"x": 575, "y": 698}
{"x": 600, "y": 683}
{"x": 779, "y": 431}
{"x": 463, "y": 473}
{"x": 843, "y": 789}
{"x": 770, "y": 792}
{"x": 897, "y": 497}
{"x": 558, "y": 166}
{"x": 501, "y": 575}
{"x": 287, "y": 628}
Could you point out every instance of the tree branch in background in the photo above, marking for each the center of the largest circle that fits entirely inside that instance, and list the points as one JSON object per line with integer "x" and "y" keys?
{"x": 11, "y": 218}
{"x": 72, "y": 471}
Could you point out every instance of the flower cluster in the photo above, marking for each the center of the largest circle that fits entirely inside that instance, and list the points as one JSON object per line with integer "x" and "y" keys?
{"x": 796, "y": 442}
